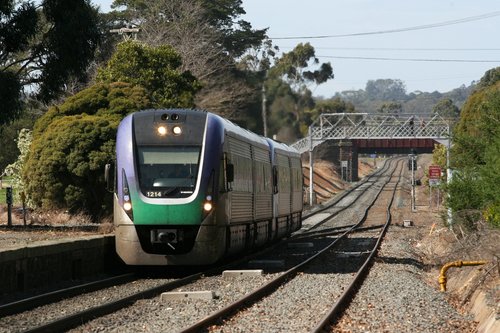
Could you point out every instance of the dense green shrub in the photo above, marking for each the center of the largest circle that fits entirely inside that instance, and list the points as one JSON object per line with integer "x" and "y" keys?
{"x": 478, "y": 127}
{"x": 476, "y": 153}
{"x": 490, "y": 174}
{"x": 72, "y": 143}
{"x": 466, "y": 196}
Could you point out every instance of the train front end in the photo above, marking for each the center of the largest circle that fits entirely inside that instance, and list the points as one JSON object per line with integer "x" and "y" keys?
{"x": 166, "y": 170}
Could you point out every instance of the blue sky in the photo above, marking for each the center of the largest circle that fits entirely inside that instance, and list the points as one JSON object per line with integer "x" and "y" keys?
{"x": 474, "y": 40}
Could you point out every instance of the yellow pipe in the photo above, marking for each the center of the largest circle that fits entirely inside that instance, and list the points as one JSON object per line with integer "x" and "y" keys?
{"x": 442, "y": 276}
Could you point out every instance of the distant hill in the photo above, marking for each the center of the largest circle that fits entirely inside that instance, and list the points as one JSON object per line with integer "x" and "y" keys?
{"x": 384, "y": 95}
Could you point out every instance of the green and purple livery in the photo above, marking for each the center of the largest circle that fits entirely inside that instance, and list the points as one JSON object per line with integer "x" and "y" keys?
{"x": 192, "y": 187}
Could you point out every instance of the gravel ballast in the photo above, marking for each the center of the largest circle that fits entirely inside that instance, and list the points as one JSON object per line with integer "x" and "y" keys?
{"x": 394, "y": 297}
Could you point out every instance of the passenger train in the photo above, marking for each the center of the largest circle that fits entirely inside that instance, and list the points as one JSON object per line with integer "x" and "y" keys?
{"x": 192, "y": 187}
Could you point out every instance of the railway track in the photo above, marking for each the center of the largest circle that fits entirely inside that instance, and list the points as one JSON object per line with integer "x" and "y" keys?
{"x": 29, "y": 303}
{"x": 360, "y": 257}
{"x": 317, "y": 232}
{"x": 382, "y": 213}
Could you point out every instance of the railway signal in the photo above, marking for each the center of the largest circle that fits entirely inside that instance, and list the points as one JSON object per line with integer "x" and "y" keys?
{"x": 412, "y": 165}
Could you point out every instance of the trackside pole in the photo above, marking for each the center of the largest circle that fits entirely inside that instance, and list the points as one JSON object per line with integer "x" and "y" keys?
{"x": 9, "y": 200}
{"x": 449, "y": 175}
{"x": 413, "y": 193}
{"x": 311, "y": 186}
{"x": 430, "y": 196}
{"x": 311, "y": 183}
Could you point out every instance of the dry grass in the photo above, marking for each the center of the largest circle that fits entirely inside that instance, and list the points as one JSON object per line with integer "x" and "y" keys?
{"x": 4, "y": 216}
{"x": 106, "y": 226}
{"x": 55, "y": 217}
{"x": 49, "y": 218}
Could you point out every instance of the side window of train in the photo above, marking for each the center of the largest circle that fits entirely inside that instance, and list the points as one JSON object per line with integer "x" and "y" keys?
{"x": 230, "y": 172}
{"x": 226, "y": 175}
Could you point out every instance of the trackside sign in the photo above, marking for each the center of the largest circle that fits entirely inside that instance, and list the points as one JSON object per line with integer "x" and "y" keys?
{"x": 434, "y": 172}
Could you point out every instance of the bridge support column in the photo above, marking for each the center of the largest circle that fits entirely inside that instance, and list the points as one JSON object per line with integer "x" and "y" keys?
{"x": 348, "y": 161}
{"x": 355, "y": 166}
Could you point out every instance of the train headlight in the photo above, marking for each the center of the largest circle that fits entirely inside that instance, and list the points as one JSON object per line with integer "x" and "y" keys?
{"x": 207, "y": 205}
{"x": 162, "y": 130}
{"x": 177, "y": 130}
{"x": 127, "y": 200}
{"x": 127, "y": 206}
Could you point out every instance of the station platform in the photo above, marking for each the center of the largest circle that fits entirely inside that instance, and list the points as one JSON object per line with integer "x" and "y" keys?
{"x": 35, "y": 264}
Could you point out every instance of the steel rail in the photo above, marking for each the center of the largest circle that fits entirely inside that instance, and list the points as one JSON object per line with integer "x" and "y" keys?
{"x": 274, "y": 284}
{"x": 348, "y": 294}
{"x": 301, "y": 232}
{"x": 76, "y": 319}
{"x": 345, "y": 193}
{"x": 335, "y": 231}
{"x": 57, "y": 295}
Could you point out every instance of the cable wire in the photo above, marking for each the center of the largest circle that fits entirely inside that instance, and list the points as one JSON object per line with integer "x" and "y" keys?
{"x": 412, "y": 59}
{"x": 395, "y": 48}
{"x": 418, "y": 27}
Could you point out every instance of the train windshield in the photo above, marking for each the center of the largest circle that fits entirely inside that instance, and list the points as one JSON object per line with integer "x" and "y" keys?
{"x": 168, "y": 172}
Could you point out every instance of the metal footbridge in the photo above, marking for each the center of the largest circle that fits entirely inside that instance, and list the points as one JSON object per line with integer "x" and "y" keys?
{"x": 369, "y": 128}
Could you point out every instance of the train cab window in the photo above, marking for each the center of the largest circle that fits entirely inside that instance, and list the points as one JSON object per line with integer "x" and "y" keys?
{"x": 168, "y": 172}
